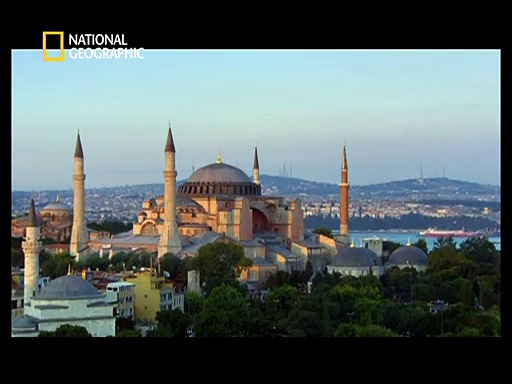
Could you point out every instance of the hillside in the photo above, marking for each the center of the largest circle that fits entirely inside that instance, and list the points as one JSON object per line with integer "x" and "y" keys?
{"x": 412, "y": 189}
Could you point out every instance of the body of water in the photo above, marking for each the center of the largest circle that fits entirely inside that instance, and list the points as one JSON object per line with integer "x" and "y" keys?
{"x": 403, "y": 237}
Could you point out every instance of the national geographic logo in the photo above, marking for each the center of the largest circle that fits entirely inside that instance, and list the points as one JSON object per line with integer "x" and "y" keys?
{"x": 57, "y": 39}
{"x": 87, "y": 46}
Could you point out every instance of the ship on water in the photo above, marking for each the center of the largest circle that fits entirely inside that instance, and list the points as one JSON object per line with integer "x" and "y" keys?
{"x": 432, "y": 232}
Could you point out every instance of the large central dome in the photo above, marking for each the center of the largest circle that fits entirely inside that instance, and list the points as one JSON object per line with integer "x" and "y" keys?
{"x": 219, "y": 173}
{"x": 220, "y": 179}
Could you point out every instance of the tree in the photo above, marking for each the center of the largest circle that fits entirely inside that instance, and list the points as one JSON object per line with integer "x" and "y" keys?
{"x": 442, "y": 242}
{"x": 57, "y": 265}
{"x": 469, "y": 332}
{"x": 445, "y": 257}
{"x": 220, "y": 263}
{"x": 66, "y": 330}
{"x": 173, "y": 265}
{"x": 129, "y": 333}
{"x": 345, "y": 330}
{"x": 95, "y": 261}
{"x": 479, "y": 249}
{"x": 175, "y": 322}
{"x": 224, "y": 314}
{"x": 422, "y": 244}
{"x": 323, "y": 231}
{"x": 279, "y": 302}
{"x": 194, "y": 303}
{"x": 372, "y": 330}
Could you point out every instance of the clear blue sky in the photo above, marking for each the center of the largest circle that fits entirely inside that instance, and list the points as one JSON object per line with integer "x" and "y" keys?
{"x": 395, "y": 109}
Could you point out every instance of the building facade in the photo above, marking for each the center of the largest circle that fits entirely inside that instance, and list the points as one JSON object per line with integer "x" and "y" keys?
{"x": 123, "y": 294}
{"x": 153, "y": 294}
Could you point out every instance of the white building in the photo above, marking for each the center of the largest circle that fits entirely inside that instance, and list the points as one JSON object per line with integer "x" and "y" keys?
{"x": 66, "y": 300}
{"x": 122, "y": 293}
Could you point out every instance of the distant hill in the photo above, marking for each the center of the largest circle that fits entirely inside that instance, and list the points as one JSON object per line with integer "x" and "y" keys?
{"x": 440, "y": 188}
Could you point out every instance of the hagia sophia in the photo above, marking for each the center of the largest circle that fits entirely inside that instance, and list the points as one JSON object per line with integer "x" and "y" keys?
{"x": 220, "y": 202}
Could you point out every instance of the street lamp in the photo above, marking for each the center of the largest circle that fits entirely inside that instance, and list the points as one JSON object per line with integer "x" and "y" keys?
{"x": 350, "y": 314}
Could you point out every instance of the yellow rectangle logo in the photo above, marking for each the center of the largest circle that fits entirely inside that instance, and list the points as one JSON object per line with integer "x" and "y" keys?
{"x": 45, "y": 53}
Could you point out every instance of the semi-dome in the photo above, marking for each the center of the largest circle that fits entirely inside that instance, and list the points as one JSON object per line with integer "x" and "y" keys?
{"x": 56, "y": 206}
{"x": 186, "y": 202}
{"x": 356, "y": 257}
{"x": 408, "y": 254}
{"x": 219, "y": 178}
{"x": 67, "y": 288}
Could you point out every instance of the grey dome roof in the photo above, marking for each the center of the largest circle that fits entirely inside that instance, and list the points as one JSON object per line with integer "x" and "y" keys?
{"x": 57, "y": 206}
{"x": 219, "y": 173}
{"x": 408, "y": 254}
{"x": 219, "y": 179}
{"x": 66, "y": 288}
{"x": 356, "y": 257}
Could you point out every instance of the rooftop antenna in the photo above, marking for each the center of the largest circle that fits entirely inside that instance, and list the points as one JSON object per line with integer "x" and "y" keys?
{"x": 192, "y": 166}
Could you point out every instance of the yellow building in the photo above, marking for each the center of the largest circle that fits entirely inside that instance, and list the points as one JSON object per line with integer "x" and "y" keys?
{"x": 122, "y": 293}
{"x": 153, "y": 294}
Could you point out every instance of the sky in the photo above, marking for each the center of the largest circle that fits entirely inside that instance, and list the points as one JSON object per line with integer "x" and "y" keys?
{"x": 394, "y": 110}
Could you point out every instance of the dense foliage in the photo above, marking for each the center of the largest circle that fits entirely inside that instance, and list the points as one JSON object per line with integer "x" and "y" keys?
{"x": 458, "y": 295}
{"x": 113, "y": 227}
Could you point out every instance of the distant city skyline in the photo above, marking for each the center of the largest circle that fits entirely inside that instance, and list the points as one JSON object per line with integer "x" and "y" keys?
{"x": 402, "y": 113}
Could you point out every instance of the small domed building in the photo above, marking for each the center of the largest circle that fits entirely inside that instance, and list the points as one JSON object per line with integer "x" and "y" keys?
{"x": 66, "y": 300}
{"x": 55, "y": 220}
{"x": 353, "y": 261}
{"x": 408, "y": 256}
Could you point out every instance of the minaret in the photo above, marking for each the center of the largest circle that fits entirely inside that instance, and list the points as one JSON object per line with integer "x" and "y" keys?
{"x": 79, "y": 236}
{"x": 169, "y": 238}
{"x": 344, "y": 195}
{"x": 256, "y": 167}
{"x": 31, "y": 247}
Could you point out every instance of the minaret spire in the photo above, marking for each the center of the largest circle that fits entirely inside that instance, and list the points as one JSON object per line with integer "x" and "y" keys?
{"x": 344, "y": 186}
{"x": 169, "y": 237}
{"x": 219, "y": 158}
{"x": 32, "y": 218}
{"x": 169, "y": 145}
{"x": 256, "y": 167}
{"x": 79, "y": 234}
{"x": 31, "y": 248}
{"x": 78, "y": 147}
